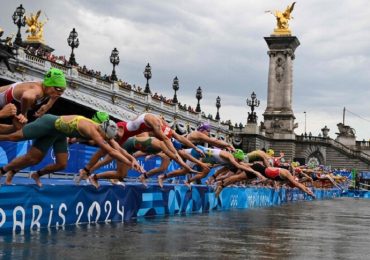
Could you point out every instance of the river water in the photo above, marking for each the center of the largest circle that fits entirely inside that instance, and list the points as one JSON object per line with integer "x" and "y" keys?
{"x": 328, "y": 229}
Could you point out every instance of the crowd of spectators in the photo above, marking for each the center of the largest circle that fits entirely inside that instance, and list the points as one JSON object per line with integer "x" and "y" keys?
{"x": 229, "y": 123}
{"x": 162, "y": 98}
{"x": 128, "y": 86}
{"x": 156, "y": 96}
{"x": 43, "y": 54}
{"x": 61, "y": 60}
{"x": 94, "y": 73}
{"x": 186, "y": 107}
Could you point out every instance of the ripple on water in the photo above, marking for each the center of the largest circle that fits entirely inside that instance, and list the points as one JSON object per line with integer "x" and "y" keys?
{"x": 328, "y": 229}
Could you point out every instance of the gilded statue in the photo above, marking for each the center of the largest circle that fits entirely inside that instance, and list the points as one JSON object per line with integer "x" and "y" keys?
{"x": 282, "y": 20}
{"x": 35, "y": 27}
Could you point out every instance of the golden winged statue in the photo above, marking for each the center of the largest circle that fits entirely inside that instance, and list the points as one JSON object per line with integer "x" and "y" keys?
{"x": 35, "y": 27}
{"x": 282, "y": 20}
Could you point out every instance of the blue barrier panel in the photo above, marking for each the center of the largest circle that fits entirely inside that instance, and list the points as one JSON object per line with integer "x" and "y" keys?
{"x": 365, "y": 175}
{"x": 27, "y": 207}
{"x": 11, "y": 150}
{"x": 357, "y": 194}
{"x": 347, "y": 174}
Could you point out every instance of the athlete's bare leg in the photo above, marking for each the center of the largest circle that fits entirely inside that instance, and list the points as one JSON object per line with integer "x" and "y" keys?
{"x": 122, "y": 170}
{"x": 163, "y": 167}
{"x": 178, "y": 172}
{"x": 61, "y": 160}
{"x": 286, "y": 174}
{"x": 32, "y": 157}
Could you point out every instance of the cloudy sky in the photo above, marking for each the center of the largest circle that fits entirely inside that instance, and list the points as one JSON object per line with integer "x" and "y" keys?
{"x": 219, "y": 46}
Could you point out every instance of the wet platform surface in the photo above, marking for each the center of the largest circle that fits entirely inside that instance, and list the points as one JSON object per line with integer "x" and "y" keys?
{"x": 328, "y": 229}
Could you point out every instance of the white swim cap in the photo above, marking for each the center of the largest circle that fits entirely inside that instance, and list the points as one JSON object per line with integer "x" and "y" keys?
{"x": 109, "y": 128}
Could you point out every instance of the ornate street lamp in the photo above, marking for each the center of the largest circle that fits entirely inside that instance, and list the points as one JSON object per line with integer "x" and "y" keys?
{"x": 114, "y": 59}
{"x": 148, "y": 76}
{"x": 218, "y": 105}
{"x": 199, "y": 97}
{"x": 254, "y": 102}
{"x": 20, "y": 20}
{"x": 305, "y": 122}
{"x": 73, "y": 42}
{"x": 175, "y": 86}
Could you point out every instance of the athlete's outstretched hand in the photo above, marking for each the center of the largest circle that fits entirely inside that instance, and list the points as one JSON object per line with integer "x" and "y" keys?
{"x": 19, "y": 121}
{"x": 8, "y": 110}
{"x": 42, "y": 110}
{"x": 200, "y": 152}
{"x": 136, "y": 166}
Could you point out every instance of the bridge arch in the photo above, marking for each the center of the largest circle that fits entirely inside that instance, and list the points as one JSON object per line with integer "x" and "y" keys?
{"x": 315, "y": 154}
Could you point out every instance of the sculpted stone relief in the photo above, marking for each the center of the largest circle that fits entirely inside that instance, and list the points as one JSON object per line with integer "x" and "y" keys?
{"x": 279, "y": 69}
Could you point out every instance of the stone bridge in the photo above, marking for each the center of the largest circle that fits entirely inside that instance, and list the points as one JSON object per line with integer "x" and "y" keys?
{"x": 318, "y": 150}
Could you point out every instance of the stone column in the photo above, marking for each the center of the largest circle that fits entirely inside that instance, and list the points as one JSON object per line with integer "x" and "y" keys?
{"x": 279, "y": 117}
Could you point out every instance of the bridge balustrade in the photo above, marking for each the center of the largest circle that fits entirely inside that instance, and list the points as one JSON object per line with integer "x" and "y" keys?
{"x": 169, "y": 107}
{"x": 103, "y": 84}
{"x": 156, "y": 102}
{"x": 142, "y": 97}
{"x": 35, "y": 60}
{"x": 61, "y": 67}
{"x": 351, "y": 151}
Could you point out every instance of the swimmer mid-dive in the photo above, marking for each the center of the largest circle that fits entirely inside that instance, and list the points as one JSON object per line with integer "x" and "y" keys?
{"x": 50, "y": 130}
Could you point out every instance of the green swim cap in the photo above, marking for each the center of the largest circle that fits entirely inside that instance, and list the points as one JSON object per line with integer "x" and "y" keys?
{"x": 100, "y": 117}
{"x": 55, "y": 78}
{"x": 239, "y": 154}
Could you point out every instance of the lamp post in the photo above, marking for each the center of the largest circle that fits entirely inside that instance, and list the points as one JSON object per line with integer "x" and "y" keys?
{"x": 114, "y": 59}
{"x": 73, "y": 42}
{"x": 305, "y": 121}
{"x": 199, "y": 97}
{"x": 218, "y": 105}
{"x": 20, "y": 20}
{"x": 148, "y": 76}
{"x": 252, "y": 103}
{"x": 175, "y": 86}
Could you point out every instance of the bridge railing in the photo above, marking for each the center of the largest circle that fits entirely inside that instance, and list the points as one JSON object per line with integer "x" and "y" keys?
{"x": 353, "y": 152}
{"x": 35, "y": 60}
{"x": 363, "y": 143}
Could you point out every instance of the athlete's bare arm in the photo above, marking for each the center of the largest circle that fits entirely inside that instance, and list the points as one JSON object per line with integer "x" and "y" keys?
{"x": 44, "y": 108}
{"x": 133, "y": 162}
{"x": 8, "y": 110}
{"x": 107, "y": 159}
{"x": 186, "y": 142}
{"x": 187, "y": 156}
{"x": 197, "y": 136}
{"x": 155, "y": 123}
